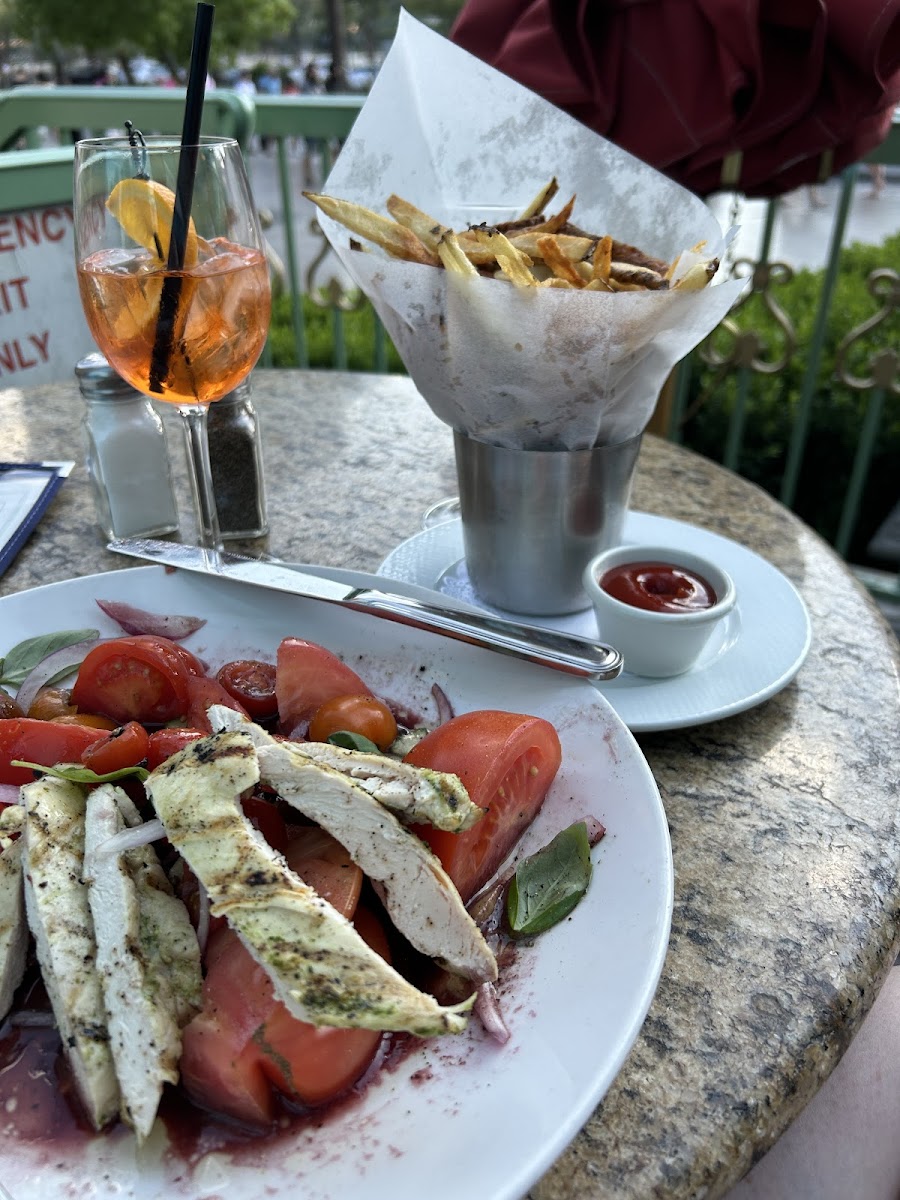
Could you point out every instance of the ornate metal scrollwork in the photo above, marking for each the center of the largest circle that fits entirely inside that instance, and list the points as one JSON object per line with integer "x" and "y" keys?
{"x": 748, "y": 346}
{"x": 332, "y": 293}
{"x": 884, "y": 365}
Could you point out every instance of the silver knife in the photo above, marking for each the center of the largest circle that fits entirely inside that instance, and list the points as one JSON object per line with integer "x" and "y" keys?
{"x": 547, "y": 647}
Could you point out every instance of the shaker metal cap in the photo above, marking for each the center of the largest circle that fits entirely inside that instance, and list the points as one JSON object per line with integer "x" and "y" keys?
{"x": 98, "y": 379}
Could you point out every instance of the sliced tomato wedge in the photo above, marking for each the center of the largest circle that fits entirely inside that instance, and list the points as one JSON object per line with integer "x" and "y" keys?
{"x": 175, "y": 651}
{"x": 507, "y": 762}
{"x": 134, "y": 679}
{"x": 325, "y": 866}
{"x": 244, "y": 1041}
{"x": 44, "y": 742}
{"x": 221, "y": 1071}
{"x": 263, "y": 814}
{"x": 126, "y": 746}
{"x": 315, "y": 1064}
{"x": 307, "y": 675}
{"x": 204, "y": 691}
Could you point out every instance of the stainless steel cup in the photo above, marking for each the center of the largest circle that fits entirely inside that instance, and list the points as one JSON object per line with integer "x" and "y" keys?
{"x": 533, "y": 519}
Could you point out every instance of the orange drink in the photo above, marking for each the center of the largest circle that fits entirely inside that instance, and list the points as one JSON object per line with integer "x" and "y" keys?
{"x": 221, "y": 321}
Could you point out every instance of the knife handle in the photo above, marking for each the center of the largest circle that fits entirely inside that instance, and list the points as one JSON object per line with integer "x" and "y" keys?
{"x": 546, "y": 647}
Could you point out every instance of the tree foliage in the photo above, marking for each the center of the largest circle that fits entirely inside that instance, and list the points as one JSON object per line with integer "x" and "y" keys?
{"x": 161, "y": 29}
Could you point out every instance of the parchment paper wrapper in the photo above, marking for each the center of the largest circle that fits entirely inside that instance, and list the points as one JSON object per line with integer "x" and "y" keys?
{"x": 535, "y": 368}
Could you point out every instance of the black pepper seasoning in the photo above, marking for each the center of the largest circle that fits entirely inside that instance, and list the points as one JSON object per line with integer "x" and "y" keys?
{"x": 235, "y": 458}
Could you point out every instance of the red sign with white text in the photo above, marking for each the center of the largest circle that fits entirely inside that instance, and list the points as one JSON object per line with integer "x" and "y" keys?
{"x": 43, "y": 332}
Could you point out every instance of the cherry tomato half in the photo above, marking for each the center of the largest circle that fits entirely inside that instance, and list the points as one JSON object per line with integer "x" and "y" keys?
{"x": 252, "y": 683}
{"x": 163, "y": 743}
{"x": 365, "y": 715}
{"x": 88, "y": 720}
{"x": 134, "y": 679}
{"x": 126, "y": 746}
{"x": 50, "y": 703}
{"x": 8, "y": 706}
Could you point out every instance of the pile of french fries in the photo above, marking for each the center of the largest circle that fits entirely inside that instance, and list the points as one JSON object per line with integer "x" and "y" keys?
{"x": 534, "y": 250}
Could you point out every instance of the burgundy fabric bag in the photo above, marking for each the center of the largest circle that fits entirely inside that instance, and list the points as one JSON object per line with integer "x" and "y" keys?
{"x": 764, "y": 95}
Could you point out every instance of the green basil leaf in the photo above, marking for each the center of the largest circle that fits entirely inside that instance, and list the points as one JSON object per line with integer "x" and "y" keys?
{"x": 353, "y": 741}
{"x": 548, "y": 885}
{"x": 24, "y": 657}
{"x": 75, "y": 773}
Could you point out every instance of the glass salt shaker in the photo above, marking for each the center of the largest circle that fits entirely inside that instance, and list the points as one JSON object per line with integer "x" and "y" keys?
{"x": 235, "y": 458}
{"x": 127, "y": 455}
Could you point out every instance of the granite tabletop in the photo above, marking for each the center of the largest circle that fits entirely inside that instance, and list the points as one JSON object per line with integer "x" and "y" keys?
{"x": 783, "y": 819}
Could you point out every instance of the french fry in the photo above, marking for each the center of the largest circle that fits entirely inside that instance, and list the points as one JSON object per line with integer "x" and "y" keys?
{"x": 574, "y": 248}
{"x": 541, "y": 200}
{"x": 557, "y": 222}
{"x": 697, "y": 277}
{"x": 533, "y": 250}
{"x": 452, "y": 256}
{"x": 513, "y": 262}
{"x": 391, "y": 236}
{"x": 601, "y": 262}
{"x": 427, "y": 229}
{"x": 561, "y": 266}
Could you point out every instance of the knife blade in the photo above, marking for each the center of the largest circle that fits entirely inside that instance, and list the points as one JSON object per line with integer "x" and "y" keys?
{"x": 546, "y": 647}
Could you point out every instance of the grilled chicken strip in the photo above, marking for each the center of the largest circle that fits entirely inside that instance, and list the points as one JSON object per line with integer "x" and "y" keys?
{"x": 415, "y": 794}
{"x": 167, "y": 935}
{"x": 133, "y": 956}
{"x": 320, "y": 967}
{"x": 415, "y": 889}
{"x": 13, "y": 925}
{"x": 56, "y": 901}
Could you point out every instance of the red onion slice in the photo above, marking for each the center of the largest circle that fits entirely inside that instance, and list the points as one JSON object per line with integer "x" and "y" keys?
{"x": 132, "y": 838}
{"x": 9, "y": 793}
{"x": 444, "y": 707}
{"x": 66, "y": 659}
{"x": 595, "y": 830}
{"x": 487, "y": 1006}
{"x": 137, "y": 621}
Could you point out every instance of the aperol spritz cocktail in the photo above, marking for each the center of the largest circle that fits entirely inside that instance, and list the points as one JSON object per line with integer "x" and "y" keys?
{"x": 182, "y": 316}
{"x": 220, "y": 326}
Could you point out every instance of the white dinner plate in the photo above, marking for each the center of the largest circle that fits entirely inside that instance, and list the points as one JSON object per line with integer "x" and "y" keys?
{"x": 755, "y": 652}
{"x": 459, "y": 1116}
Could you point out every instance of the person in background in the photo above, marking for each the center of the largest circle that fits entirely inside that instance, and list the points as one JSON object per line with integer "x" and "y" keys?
{"x": 244, "y": 85}
{"x": 314, "y": 152}
{"x": 878, "y": 175}
{"x": 268, "y": 83}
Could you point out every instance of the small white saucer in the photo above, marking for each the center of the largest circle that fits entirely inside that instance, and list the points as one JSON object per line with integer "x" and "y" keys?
{"x": 756, "y": 652}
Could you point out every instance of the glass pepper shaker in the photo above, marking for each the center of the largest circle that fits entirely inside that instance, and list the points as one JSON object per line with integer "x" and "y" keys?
{"x": 235, "y": 458}
{"x": 127, "y": 455}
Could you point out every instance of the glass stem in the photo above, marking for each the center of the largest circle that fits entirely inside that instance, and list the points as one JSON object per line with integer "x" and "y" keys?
{"x": 200, "y": 475}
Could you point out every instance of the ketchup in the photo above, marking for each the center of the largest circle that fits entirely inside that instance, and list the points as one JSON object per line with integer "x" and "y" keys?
{"x": 659, "y": 587}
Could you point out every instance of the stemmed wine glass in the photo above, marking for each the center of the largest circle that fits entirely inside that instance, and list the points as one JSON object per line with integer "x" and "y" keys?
{"x": 184, "y": 323}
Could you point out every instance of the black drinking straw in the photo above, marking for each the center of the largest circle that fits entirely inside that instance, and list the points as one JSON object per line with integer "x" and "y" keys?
{"x": 184, "y": 194}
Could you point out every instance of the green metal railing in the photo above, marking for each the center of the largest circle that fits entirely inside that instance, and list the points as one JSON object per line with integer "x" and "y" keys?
{"x": 31, "y": 177}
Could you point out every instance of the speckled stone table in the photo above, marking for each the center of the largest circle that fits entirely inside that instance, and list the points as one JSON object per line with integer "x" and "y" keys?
{"x": 784, "y": 819}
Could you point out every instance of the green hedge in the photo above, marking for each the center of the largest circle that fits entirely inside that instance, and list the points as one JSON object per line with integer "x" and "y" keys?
{"x": 837, "y": 411}
{"x": 359, "y": 337}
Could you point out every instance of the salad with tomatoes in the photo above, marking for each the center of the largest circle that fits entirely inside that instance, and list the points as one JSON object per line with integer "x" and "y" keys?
{"x": 297, "y": 874}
